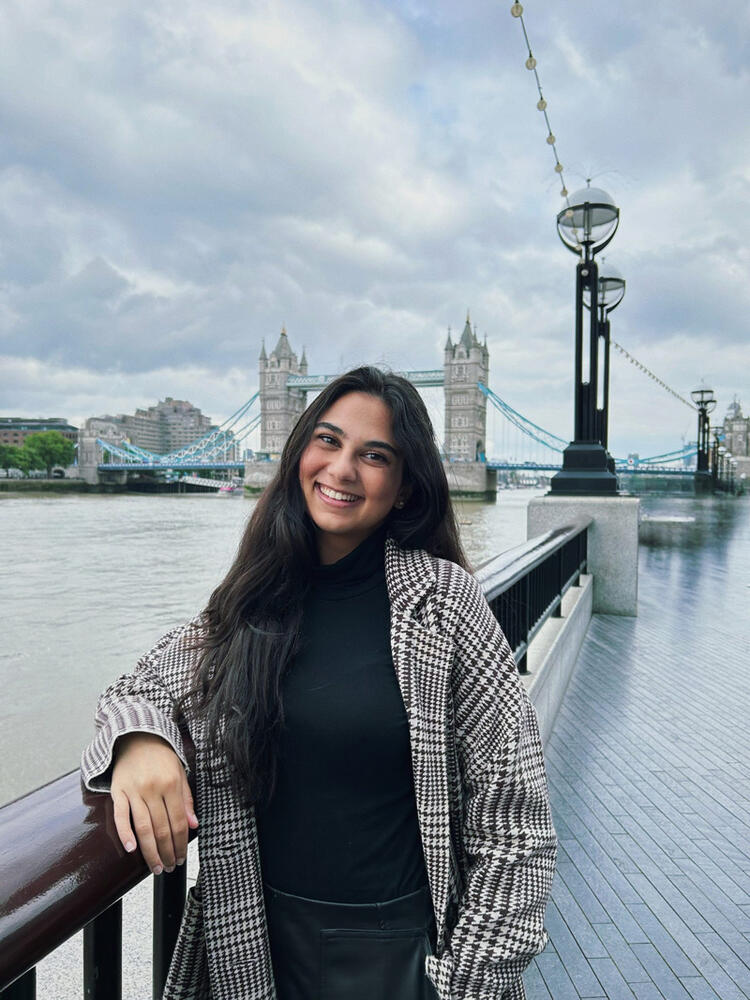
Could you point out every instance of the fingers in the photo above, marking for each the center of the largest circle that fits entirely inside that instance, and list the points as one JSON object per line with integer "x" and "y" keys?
{"x": 150, "y": 822}
{"x": 187, "y": 798}
{"x": 122, "y": 821}
{"x": 178, "y": 824}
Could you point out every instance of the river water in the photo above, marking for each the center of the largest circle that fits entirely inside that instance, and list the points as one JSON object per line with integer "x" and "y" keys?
{"x": 89, "y": 582}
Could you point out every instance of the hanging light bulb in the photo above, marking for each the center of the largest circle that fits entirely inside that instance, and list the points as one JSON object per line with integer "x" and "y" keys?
{"x": 516, "y": 10}
{"x": 530, "y": 63}
{"x": 541, "y": 104}
{"x": 550, "y": 140}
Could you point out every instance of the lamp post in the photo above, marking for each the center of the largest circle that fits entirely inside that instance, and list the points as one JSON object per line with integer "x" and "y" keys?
{"x": 585, "y": 228}
{"x": 611, "y": 287}
{"x": 716, "y": 431}
{"x": 705, "y": 403}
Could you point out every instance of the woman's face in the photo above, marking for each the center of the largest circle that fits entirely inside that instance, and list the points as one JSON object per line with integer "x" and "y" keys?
{"x": 350, "y": 473}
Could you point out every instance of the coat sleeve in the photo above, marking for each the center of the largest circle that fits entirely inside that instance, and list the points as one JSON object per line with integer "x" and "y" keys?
{"x": 141, "y": 701}
{"x": 508, "y": 835}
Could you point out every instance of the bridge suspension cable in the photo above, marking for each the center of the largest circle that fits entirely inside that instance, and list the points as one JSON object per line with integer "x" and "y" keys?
{"x": 528, "y": 427}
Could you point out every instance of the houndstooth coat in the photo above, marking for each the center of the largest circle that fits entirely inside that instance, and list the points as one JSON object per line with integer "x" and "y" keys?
{"x": 480, "y": 785}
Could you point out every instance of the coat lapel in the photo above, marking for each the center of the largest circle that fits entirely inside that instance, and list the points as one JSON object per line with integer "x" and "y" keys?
{"x": 422, "y": 658}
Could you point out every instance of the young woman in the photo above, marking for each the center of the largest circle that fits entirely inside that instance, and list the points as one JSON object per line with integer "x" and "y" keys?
{"x": 374, "y": 820}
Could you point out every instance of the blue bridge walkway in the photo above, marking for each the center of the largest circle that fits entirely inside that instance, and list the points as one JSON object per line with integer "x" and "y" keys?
{"x": 649, "y": 769}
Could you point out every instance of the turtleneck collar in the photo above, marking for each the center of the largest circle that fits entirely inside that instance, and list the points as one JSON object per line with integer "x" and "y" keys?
{"x": 357, "y": 572}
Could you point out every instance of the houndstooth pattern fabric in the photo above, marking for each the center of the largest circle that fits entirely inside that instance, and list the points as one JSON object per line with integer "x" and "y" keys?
{"x": 479, "y": 781}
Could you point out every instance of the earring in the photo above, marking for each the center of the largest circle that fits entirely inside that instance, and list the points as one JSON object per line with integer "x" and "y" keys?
{"x": 398, "y": 504}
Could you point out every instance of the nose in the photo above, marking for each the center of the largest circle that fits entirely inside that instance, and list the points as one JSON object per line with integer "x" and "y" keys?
{"x": 342, "y": 466}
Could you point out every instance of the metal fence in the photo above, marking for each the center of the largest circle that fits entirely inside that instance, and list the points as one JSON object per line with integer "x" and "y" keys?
{"x": 525, "y": 585}
{"x": 62, "y": 867}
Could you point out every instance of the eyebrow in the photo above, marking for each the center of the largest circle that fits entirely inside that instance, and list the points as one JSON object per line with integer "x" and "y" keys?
{"x": 367, "y": 444}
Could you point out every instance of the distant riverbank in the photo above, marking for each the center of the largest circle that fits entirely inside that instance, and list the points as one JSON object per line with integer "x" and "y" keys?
{"x": 25, "y": 487}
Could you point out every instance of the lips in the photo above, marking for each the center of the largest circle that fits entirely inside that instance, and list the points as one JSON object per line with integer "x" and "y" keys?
{"x": 336, "y": 497}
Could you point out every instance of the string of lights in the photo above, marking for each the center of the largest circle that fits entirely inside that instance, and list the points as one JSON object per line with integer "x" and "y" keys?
{"x": 531, "y": 64}
{"x": 647, "y": 371}
{"x": 517, "y": 11}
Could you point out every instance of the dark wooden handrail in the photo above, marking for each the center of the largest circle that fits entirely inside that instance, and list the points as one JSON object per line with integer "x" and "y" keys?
{"x": 61, "y": 865}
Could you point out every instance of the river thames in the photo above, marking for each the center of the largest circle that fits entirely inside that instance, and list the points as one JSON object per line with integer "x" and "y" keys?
{"x": 90, "y": 582}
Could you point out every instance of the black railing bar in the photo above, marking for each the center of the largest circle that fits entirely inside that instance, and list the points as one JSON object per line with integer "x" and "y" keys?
{"x": 102, "y": 955}
{"x": 495, "y": 579}
{"x": 23, "y": 988}
{"x": 520, "y": 651}
{"x": 573, "y": 578}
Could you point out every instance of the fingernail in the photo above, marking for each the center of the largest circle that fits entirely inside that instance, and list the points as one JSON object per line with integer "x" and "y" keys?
{"x": 180, "y": 861}
{"x": 130, "y": 846}
{"x": 170, "y": 870}
{"x": 158, "y": 870}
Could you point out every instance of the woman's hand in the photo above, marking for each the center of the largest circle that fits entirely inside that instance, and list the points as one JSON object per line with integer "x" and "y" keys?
{"x": 149, "y": 784}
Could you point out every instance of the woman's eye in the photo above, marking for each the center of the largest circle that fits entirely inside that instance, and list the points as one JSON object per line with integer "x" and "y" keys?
{"x": 327, "y": 439}
{"x": 376, "y": 456}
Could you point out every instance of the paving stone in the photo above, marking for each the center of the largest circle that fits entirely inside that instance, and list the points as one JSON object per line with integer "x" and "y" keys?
{"x": 534, "y": 984}
{"x": 699, "y": 989}
{"x": 732, "y": 951}
{"x": 622, "y": 954}
{"x": 570, "y": 954}
{"x": 557, "y": 980}
{"x": 669, "y": 985}
{"x": 663, "y": 941}
{"x": 615, "y": 986}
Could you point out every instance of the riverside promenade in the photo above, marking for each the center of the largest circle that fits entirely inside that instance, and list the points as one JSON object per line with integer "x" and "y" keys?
{"x": 649, "y": 771}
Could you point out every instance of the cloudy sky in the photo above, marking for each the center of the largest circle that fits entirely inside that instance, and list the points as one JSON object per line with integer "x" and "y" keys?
{"x": 179, "y": 179}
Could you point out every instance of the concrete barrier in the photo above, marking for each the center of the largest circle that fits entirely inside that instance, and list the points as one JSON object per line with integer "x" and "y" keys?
{"x": 553, "y": 653}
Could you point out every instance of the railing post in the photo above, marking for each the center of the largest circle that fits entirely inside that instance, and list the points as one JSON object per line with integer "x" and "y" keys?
{"x": 559, "y": 565}
{"x": 24, "y": 988}
{"x": 169, "y": 902}
{"x": 102, "y": 955}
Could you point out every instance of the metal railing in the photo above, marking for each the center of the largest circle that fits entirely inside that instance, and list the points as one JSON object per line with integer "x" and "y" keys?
{"x": 62, "y": 867}
{"x": 525, "y": 585}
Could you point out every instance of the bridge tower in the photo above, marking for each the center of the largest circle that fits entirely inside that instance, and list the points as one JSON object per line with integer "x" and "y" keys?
{"x": 465, "y": 364}
{"x": 280, "y": 407}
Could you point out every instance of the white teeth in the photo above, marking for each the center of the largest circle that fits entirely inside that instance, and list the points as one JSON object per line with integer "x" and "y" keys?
{"x": 335, "y": 495}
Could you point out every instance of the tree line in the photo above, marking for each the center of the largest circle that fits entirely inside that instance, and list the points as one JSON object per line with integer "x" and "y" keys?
{"x": 43, "y": 450}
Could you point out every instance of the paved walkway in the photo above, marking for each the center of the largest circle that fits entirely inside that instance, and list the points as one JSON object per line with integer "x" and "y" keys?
{"x": 649, "y": 769}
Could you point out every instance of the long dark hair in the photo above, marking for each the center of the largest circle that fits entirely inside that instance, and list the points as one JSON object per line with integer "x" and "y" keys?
{"x": 253, "y": 617}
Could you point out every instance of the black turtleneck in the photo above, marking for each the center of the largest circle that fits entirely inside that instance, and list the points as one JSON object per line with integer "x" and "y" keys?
{"x": 342, "y": 825}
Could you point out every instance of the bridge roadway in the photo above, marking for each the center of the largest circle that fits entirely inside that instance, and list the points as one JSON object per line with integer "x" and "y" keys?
{"x": 649, "y": 771}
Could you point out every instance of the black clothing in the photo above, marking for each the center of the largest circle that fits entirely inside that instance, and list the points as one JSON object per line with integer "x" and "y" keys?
{"x": 342, "y": 825}
{"x": 346, "y": 951}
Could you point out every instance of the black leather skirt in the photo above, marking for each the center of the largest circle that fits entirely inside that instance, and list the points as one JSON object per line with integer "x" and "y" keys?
{"x": 351, "y": 951}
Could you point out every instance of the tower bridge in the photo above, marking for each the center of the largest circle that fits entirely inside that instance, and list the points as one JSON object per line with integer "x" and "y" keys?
{"x": 521, "y": 447}
{"x": 284, "y": 382}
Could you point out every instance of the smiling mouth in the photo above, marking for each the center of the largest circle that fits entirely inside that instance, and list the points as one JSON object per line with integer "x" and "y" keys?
{"x": 336, "y": 495}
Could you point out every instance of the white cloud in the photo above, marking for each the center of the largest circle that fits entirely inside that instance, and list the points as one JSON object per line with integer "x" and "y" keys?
{"x": 178, "y": 181}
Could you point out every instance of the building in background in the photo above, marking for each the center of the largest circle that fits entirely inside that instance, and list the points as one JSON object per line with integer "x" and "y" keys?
{"x": 736, "y": 431}
{"x": 280, "y": 406}
{"x": 466, "y": 364}
{"x": 168, "y": 426}
{"x": 15, "y": 430}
